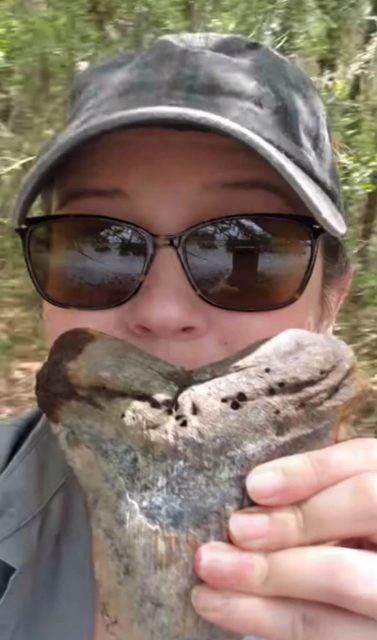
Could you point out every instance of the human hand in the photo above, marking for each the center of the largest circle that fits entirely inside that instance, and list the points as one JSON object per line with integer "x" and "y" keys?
{"x": 303, "y": 566}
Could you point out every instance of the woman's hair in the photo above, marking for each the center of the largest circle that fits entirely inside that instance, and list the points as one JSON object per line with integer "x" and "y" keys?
{"x": 337, "y": 269}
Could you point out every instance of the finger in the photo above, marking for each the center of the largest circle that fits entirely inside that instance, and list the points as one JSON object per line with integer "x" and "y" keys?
{"x": 343, "y": 511}
{"x": 279, "y": 618}
{"x": 338, "y": 576}
{"x": 294, "y": 478}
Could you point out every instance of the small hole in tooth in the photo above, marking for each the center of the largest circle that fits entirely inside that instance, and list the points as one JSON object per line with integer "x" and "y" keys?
{"x": 224, "y": 400}
{"x": 194, "y": 409}
{"x": 241, "y": 396}
{"x": 322, "y": 372}
{"x": 281, "y": 430}
{"x": 183, "y": 423}
{"x": 155, "y": 404}
{"x": 281, "y": 385}
{"x": 235, "y": 405}
{"x": 277, "y": 412}
{"x": 267, "y": 370}
{"x": 271, "y": 391}
{"x": 179, "y": 417}
{"x": 123, "y": 415}
{"x": 169, "y": 412}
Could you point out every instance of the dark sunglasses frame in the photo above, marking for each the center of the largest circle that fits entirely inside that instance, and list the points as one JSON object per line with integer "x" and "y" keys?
{"x": 154, "y": 241}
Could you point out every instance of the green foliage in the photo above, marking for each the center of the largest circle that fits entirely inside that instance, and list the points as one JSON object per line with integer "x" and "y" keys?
{"x": 44, "y": 43}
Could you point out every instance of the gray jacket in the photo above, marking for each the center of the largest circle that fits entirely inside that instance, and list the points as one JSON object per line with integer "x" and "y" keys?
{"x": 47, "y": 585}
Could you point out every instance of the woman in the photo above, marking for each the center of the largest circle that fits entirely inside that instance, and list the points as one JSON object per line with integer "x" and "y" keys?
{"x": 213, "y": 137}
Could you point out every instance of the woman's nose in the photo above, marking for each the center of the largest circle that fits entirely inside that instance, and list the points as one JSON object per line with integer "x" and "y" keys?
{"x": 166, "y": 305}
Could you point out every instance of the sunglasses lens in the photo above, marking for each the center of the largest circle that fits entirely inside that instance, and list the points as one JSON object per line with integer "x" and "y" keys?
{"x": 249, "y": 263}
{"x": 87, "y": 263}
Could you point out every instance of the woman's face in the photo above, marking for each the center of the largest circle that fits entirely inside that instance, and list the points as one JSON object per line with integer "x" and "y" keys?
{"x": 167, "y": 180}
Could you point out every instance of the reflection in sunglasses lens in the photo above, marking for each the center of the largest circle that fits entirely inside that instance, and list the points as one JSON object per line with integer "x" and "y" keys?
{"x": 247, "y": 263}
{"x": 87, "y": 262}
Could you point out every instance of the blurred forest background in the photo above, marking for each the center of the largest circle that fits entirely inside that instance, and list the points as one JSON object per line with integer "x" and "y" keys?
{"x": 44, "y": 43}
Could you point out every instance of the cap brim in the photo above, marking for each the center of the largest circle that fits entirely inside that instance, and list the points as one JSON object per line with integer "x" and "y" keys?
{"x": 317, "y": 201}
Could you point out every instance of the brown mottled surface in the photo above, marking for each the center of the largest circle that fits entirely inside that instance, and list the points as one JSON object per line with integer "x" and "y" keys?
{"x": 53, "y": 386}
{"x": 162, "y": 454}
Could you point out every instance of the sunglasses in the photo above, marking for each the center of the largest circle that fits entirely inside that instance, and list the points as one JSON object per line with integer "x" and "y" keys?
{"x": 248, "y": 262}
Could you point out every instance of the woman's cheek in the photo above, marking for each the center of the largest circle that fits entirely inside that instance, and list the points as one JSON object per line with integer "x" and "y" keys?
{"x": 57, "y": 320}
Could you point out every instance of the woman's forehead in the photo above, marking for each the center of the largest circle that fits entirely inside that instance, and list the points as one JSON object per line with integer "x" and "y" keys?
{"x": 146, "y": 155}
{"x": 151, "y": 142}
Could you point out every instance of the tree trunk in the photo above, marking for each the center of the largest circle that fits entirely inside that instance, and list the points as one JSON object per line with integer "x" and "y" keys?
{"x": 368, "y": 221}
{"x": 100, "y": 15}
{"x": 328, "y": 60}
{"x": 369, "y": 34}
{"x": 191, "y": 13}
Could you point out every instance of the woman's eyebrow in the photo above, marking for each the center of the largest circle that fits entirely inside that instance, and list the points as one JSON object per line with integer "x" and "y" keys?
{"x": 77, "y": 193}
{"x": 256, "y": 185}
{"x": 90, "y": 192}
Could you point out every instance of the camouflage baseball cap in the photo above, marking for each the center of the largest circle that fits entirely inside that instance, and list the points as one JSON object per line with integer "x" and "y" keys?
{"x": 228, "y": 84}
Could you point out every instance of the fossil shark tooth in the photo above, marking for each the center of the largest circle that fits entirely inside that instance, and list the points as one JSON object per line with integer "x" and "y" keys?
{"x": 162, "y": 454}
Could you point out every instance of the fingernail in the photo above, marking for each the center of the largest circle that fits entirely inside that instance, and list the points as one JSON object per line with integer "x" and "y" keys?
{"x": 204, "y": 599}
{"x": 264, "y": 484}
{"x": 245, "y": 527}
{"x": 215, "y": 557}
